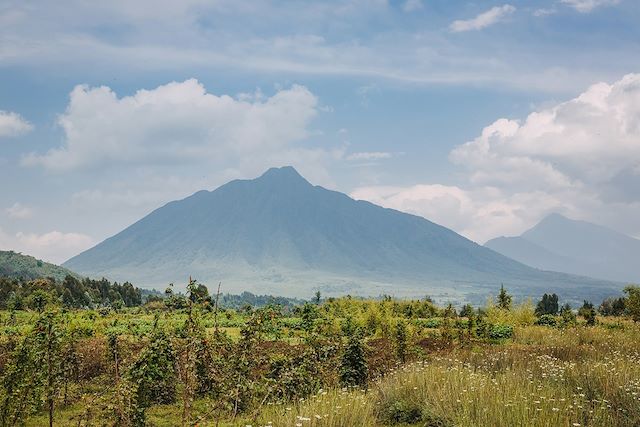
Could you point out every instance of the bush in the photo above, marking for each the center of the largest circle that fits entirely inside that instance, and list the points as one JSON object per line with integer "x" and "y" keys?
{"x": 499, "y": 332}
{"x": 401, "y": 411}
{"x": 432, "y": 323}
{"x": 547, "y": 320}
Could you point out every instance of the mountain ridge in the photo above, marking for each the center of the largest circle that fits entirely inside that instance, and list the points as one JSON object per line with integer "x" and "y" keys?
{"x": 571, "y": 246}
{"x": 281, "y": 232}
{"x": 19, "y": 266}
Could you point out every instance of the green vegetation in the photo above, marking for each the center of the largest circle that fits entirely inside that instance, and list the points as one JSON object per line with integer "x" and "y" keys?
{"x": 14, "y": 265}
{"x": 186, "y": 360}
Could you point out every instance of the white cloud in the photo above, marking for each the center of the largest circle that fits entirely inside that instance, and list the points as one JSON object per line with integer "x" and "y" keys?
{"x": 13, "y": 124}
{"x": 369, "y": 155}
{"x": 285, "y": 39}
{"x": 580, "y": 158}
{"x": 584, "y": 143}
{"x": 477, "y": 213}
{"x": 485, "y": 19}
{"x": 176, "y": 123}
{"x": 53, "y": 246}
{"x": 19, "y": 211}
{"x": 412, "y": 5}
{"x": 586, "y": 6}
{"x": 545, "y": 12}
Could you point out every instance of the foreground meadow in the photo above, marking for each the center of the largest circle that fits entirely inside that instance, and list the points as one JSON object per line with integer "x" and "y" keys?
{"x": 335, "y": 362}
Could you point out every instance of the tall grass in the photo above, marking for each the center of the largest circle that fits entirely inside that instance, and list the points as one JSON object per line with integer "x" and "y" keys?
{"x": 545, "y": 377}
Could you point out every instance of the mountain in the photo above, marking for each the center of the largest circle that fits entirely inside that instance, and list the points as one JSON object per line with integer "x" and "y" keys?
{"x": 562, "y": 244}
{"x": 279, "y": 234}
{"x": 16, "y": 266}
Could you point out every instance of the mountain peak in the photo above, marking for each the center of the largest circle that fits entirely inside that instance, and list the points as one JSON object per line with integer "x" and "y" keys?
{"x": 555, "y": 216}
{"x": 283, "y": 175}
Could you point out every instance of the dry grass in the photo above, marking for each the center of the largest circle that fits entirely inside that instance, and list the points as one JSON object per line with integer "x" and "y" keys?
{"x": 546, "y": 377}
{"x": 542, "y": 377}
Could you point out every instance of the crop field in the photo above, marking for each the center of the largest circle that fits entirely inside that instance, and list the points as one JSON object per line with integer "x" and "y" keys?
{"x": 184, "y": 360}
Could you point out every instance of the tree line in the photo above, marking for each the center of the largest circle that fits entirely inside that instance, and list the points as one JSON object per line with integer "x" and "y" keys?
{"x": 19, "y": 294}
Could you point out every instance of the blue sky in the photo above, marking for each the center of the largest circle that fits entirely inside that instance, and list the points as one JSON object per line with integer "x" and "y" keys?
{"x": 483, "y": 116}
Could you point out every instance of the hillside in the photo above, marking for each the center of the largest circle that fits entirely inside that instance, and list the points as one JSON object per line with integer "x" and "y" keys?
{"x": 562, "y": 244}
{"x": 15, "y": 265}
{"x": 279, "y": 234}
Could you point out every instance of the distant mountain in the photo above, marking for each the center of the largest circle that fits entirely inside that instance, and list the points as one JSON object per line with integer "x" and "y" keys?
{"x": 578, "y": 247}
{"x": 279, "y": 234}
{"x": 16, "y": 266}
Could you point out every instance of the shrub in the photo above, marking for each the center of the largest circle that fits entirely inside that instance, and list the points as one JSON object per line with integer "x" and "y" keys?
{"x": 152, "y": 376}
{"x": 395, "y": 410}
{"x": 401, "y": 411}
{"x": 498, "y": 332}
{"x": 547, "y": 320}
{"x": 432, "y": 323}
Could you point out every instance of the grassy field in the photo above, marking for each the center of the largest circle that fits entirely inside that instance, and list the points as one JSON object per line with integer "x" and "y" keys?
{"x": 341, "y": 362}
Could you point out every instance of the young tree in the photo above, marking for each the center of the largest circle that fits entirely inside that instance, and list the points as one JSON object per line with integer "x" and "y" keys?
{"x": 568, "y": 318}
{"x": 401, "y": 340}
{"x": 38, "y": 300}
{"x": 22, "y": 384}
{"x": 353, "y": 364}
{"x": 152, "y": 376}
{"x": 466, "y": 310}
{"x": 633, "y": 302}
{"x": 308, "y": 315}
{"x": 504, "y": 299}
{"x": 585, "y": 309}
{"x": 317, "y": 297}
{"x": 48, "y": 341}
{"x": 471, "y": 324}
{"x": 588, "y": 311}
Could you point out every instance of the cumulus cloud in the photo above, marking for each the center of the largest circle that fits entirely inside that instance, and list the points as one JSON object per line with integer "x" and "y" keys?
{"x": 586, "y": 6}
{"x": 580, "y": 157}
{"x": 13, "y": 124}
{"x": 175, "y": 123}
{"x": 483, "y": 20}
{"x": 583, "y": 143}
{"x": 54, "y": 246}
{"x": 19, "y": 211}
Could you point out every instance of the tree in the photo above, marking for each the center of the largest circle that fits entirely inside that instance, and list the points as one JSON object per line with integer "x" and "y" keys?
{"x": 353, "y": 365}
{"x": 612, "y": 307}
{"x": 633, "y": 302}
{"x": 152, "y": 375}
{"x": 568, "y": 318}
{"x": 317, "y": 296}
{"x": 48, "y": 341}
{"x": 504, "y": 299}
{"x": 308, "y": 315}
{"x": 588, "y": 311}
{"x": 585, "y": 309}
{"x": 547, "y": 305}
{"x": 400, "y": 338}
{"x": 198, "y": 293}
{"x": 466, "y": 310}
{"x": 38, "y": 300}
